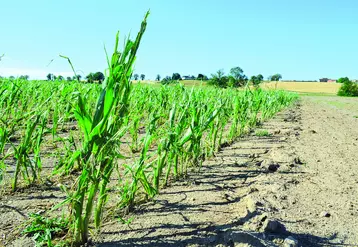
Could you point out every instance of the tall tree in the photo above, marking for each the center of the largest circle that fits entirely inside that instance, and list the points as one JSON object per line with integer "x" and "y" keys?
{"x": 24, "y": 77}
{"x": 256, "y": 80}
{"x": 237, "y": 77}
{"x": 202, "y": 77}
{"x": 142, "y": 77}
{"x": 176, "y": 76}
{"x": 343, "y": 80}
{"x": 98, "y": 76}
{"x": 135, "y": 76}
{"x": 219, "y": 79}
{"x": 158, "y": 77}
{"x": 60, "y": 78}
{"x": 50, "y": 77}
{"x": 276, "y": 77}
{"x": 69, "y": 78}
{"x": 89, "y": 77}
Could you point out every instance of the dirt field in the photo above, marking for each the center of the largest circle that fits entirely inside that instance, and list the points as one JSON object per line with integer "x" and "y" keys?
{"x": 300, "y": 87}
{"x": 305, "y": 87}
{"x": 299, "y": 179}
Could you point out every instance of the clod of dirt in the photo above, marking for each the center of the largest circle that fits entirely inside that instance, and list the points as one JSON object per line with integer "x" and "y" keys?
{"x": 313, "y": 131}
{"x": 273, "y": 167}
{"x": 325, "y": 214}
{"x": 259, "y": 163}
{"x": 252, "y": 204}
{"x": 238, "y": 238}
{"x": 298, "y": 161}
{"x": 273, "y": 226}
{"x": 290, "y": 242}
{"x": 253, "y": 156}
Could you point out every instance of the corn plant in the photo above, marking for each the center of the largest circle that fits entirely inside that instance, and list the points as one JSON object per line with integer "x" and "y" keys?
{"x": 101, "y": 133}
{"x": 31, "y": 142}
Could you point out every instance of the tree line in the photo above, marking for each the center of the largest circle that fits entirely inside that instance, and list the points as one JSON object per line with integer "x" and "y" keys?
{"x": 91, "y": 77}
{"x": 235, "y": 78}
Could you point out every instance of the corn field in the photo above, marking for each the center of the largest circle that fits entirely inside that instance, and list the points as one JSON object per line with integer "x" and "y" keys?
{"x": 131, "y": 140}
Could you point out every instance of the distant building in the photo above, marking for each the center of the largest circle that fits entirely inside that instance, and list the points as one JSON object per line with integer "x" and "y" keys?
{"x": 331, "y": 80}
{"x": 323, "y": 80}
{"x": 188, "y": 77}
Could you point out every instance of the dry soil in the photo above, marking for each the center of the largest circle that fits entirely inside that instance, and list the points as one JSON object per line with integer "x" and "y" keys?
{"x": 297, "y": 177}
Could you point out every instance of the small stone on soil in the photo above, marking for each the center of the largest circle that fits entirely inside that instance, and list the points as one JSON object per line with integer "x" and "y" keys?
{"x": 325, "y": 214}
{"x": 273, "y": 226}
{"x": 290, "y": 242}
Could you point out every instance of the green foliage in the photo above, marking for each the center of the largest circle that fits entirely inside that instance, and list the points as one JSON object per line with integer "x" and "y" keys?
{"x": 202, "y": 77}
{"x": 101, "y": 130}
{"x": 256, "y": 80}
{"x": 275, "y": 77}
{"x": 236, "y": 78}
{"x": 142, "y": 77}
{"x": 343, "y": 80}
{"x": 219, "y": 79}
{"x": 157, "y": 78}
{"x": 24, "y": 77}
{"x": 176, "y": 76}
{"x": 171, "y": 128}
{"x": 348, "y": 88}
{"x": 168, "y": 80}
{"x": 262, "y": 133}
{"x": 43, "y": 230}
{"x": 50, "y": 77}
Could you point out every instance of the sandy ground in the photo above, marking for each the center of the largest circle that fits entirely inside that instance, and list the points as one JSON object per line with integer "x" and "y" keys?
{"x": 300, "y": 181}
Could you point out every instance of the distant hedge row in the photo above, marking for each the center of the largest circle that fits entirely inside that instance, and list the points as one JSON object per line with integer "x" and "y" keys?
{"x": 348, "y": 88}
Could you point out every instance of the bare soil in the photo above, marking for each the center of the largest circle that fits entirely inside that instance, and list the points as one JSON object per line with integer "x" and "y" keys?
{"x": 302, "y": 175}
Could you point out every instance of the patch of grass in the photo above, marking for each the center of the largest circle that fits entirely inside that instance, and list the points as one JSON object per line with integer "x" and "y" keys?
{"x": 262, "y": 133}
{"x": 43, "y": 229}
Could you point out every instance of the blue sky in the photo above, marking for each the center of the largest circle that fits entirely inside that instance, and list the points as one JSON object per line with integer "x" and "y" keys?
{"x": 301, "y": 39}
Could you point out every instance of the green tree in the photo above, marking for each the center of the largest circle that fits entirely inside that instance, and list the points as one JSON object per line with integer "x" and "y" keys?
{"x": 142, "y": 77}
{"x": 98, "y": 76}
{"x": 90, "y": 77}
{"x": 60, "y": 78}
{"x": 237, "y": 77}
{"x": 348, "y": 88}
{"x": 276, "y": 77}
{"x": 343, "y": 80}
{"x": 157, "y": 78}
{"x": 176, "y": 76}
{"x": 219, "y": 79}
{"x": 256, "y": 80}
{"x": 69, "y": 78}
{"x": 136, "y": 76}
{"x": 12, "y": 77}
{"x": 50, "y": 77}
{"x": 202, "y": 77}
{"x": 24, "y": 77}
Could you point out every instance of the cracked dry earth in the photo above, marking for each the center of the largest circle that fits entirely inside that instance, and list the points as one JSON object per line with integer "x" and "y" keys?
{"x": 303, "y": 177}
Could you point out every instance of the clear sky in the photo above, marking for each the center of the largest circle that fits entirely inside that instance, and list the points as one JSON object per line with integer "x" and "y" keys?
{"x": 301, "y": 39}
